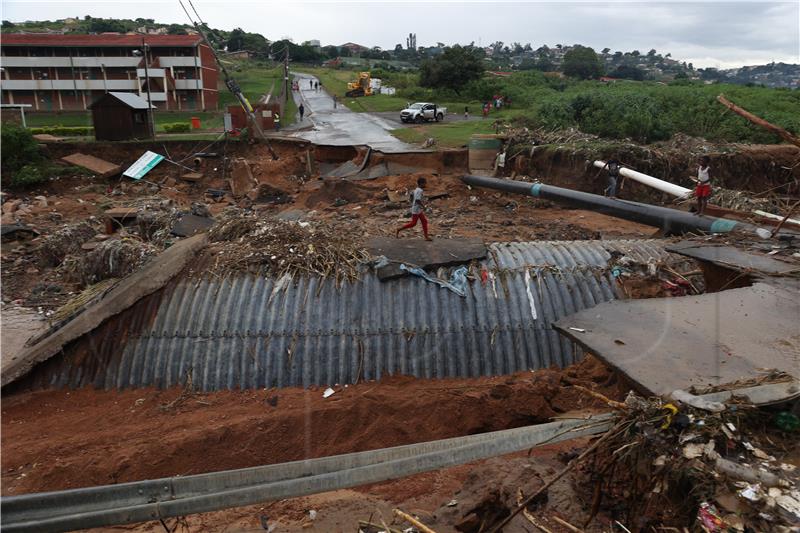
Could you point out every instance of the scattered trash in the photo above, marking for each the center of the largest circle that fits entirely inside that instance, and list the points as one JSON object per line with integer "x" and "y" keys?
{"x": 328, "y": 392}
{"x": 457, "y": 282}
{"x": 579, "y": 330}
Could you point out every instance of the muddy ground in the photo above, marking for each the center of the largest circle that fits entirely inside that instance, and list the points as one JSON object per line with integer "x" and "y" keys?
{"x": 362, "y": 208}
{"x": 55, "y": 440}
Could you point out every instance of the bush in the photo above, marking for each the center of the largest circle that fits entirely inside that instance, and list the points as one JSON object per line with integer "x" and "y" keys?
{"x": 67, "y": 131}
{"x": 28, "y": 176}
{"x": 178, "y": 127}
{"x": 18, "y": 148}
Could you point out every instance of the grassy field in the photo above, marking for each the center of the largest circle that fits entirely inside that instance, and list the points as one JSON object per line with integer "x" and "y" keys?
{"x": 451, "y": 134}
{"x": 255, "y": 80}
{"x": 208, "y": 119}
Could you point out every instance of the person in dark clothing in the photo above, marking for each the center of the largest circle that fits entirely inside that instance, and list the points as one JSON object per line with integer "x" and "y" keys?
{"x": 613, "y": 166}
{"x": 302, "y": 110}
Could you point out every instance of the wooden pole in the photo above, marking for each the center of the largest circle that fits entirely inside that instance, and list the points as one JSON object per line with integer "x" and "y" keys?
{"x": 782, "y": 222}
{"x": 413, "y": 521}
{"x": 777, "y": 130}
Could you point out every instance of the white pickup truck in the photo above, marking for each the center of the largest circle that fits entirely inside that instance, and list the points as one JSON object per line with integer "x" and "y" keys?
{"x": 423, "y": 112}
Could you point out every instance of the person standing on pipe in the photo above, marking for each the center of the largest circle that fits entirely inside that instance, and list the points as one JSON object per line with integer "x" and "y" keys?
{"x": 417, "y": 210}
{"x": 703, "y": 180}
{"x": 613, "y": 166}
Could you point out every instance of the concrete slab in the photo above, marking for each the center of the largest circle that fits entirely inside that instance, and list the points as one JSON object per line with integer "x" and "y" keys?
{"x": 102, "y": 168}
{"x": 424, "y": 254}
{"x": 664, "y": 344}
{"x": 733, "y": 257}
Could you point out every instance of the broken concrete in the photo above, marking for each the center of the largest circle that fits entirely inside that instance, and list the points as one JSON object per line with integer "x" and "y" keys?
{"x": 423, "y": 254}
{"x": 102, "y": 168}
{"x": 665, "y": 344}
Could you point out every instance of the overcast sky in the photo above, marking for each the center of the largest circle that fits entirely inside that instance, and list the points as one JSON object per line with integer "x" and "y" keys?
{"x": 708, "y": 34}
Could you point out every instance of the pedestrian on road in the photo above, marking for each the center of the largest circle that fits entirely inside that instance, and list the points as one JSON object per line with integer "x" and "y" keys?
{"x": 613, "y": 166}
{"x": 310, "y": 84}
{"x": 302, "y": 110}
{"x": 334, "y": 101}
{"x": 277, "y": 120}
{"x": 703, "y": 180}
{"x": 466, "y": 112}
{"x": 486, "y": 110}
{"x": 316, "y": 86}
{"x": 417, "y": 210}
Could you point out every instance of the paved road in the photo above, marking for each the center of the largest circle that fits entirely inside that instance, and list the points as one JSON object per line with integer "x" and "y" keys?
{"x": 340, "y": 126}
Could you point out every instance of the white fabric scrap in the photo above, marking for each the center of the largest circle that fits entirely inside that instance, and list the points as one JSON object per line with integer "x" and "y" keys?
{"x": 530, "y": 294}
{"x": 494, "y": 287}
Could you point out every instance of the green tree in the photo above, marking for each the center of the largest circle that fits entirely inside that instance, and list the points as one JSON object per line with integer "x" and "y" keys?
{"x": 236, "y": 40}
{"x": 628, "y": 73}
{"x": 176, "y": 29}
{"x": 453, "y": 69}
{"x": 582, "y": 62}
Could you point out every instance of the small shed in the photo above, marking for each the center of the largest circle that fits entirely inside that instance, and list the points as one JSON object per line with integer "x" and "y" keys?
{"x": 120, "y": 116}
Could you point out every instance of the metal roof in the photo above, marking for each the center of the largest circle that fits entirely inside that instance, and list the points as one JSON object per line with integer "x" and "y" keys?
{"x": 103, "y": 39}
{"x": 132, "y": 100}
{"x": 253, "y": 331}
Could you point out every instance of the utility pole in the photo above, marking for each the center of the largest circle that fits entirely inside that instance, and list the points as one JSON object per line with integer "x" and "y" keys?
{"x": 286, "y": 75}
{"x": 147, "y": 81}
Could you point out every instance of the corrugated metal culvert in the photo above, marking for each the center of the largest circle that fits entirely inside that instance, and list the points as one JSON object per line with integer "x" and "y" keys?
{"x": 247, "y": 331}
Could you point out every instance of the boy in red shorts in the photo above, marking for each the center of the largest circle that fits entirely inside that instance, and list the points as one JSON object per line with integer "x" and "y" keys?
{"x": 703, "y": 189}
{"x": 417, "y": 210}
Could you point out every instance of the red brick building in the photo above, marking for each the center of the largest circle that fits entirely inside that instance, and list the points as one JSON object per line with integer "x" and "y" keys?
{"x": 69, "y": 72}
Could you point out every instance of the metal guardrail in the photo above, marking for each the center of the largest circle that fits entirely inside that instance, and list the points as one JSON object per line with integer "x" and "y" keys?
{"x": 178, "y": 496}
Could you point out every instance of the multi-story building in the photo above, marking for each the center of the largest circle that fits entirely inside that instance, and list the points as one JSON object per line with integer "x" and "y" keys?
{"x": 69, "y": 72}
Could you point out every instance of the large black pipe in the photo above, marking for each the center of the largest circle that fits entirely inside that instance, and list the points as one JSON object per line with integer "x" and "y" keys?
{"x": 671, "y": 221}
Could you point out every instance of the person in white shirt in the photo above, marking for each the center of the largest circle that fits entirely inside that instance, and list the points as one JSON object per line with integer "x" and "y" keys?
{"x": 703, "y": 180}
{"x": 417, "y": 210}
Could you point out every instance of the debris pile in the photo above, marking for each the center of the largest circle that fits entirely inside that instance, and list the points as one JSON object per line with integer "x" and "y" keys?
{"x": 66, "y": 241}
{"x": 116, "y": 258}
{"x": 655, "y": 278}
{"x": 669, "y": 464}
{"x": 743, "y": 201}
{"x": 278, "y": 247}
{"x": 540, "y": 136}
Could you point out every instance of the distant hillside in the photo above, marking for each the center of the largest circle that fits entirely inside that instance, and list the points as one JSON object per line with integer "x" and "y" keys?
{"x": 498, "y": 55}
{"x": 771, "y": 75}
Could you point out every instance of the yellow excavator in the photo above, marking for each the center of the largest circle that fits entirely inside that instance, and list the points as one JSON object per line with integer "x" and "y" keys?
{"x": 360, "y": 87}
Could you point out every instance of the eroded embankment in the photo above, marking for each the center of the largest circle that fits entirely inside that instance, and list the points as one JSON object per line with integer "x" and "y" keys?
{"x": 55, "y": 440}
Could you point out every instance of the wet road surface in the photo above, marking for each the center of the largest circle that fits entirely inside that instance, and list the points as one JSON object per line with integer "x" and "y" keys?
{"x": 339, "y": 126}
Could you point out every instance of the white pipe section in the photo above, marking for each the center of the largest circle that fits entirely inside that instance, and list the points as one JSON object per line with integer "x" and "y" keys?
{"x": 650, "y": 181}
{"x": 776, "y": 217}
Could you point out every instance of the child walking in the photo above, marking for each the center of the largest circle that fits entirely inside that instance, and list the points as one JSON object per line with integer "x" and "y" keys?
{"x": 417, "y": 210}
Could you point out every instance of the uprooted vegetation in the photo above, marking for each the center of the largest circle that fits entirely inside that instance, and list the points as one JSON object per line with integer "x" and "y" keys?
{"x": 246, "y": 243}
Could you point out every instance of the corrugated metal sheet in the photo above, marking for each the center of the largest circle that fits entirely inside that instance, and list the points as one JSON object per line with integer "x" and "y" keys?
{"x": 247, "y": 332}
